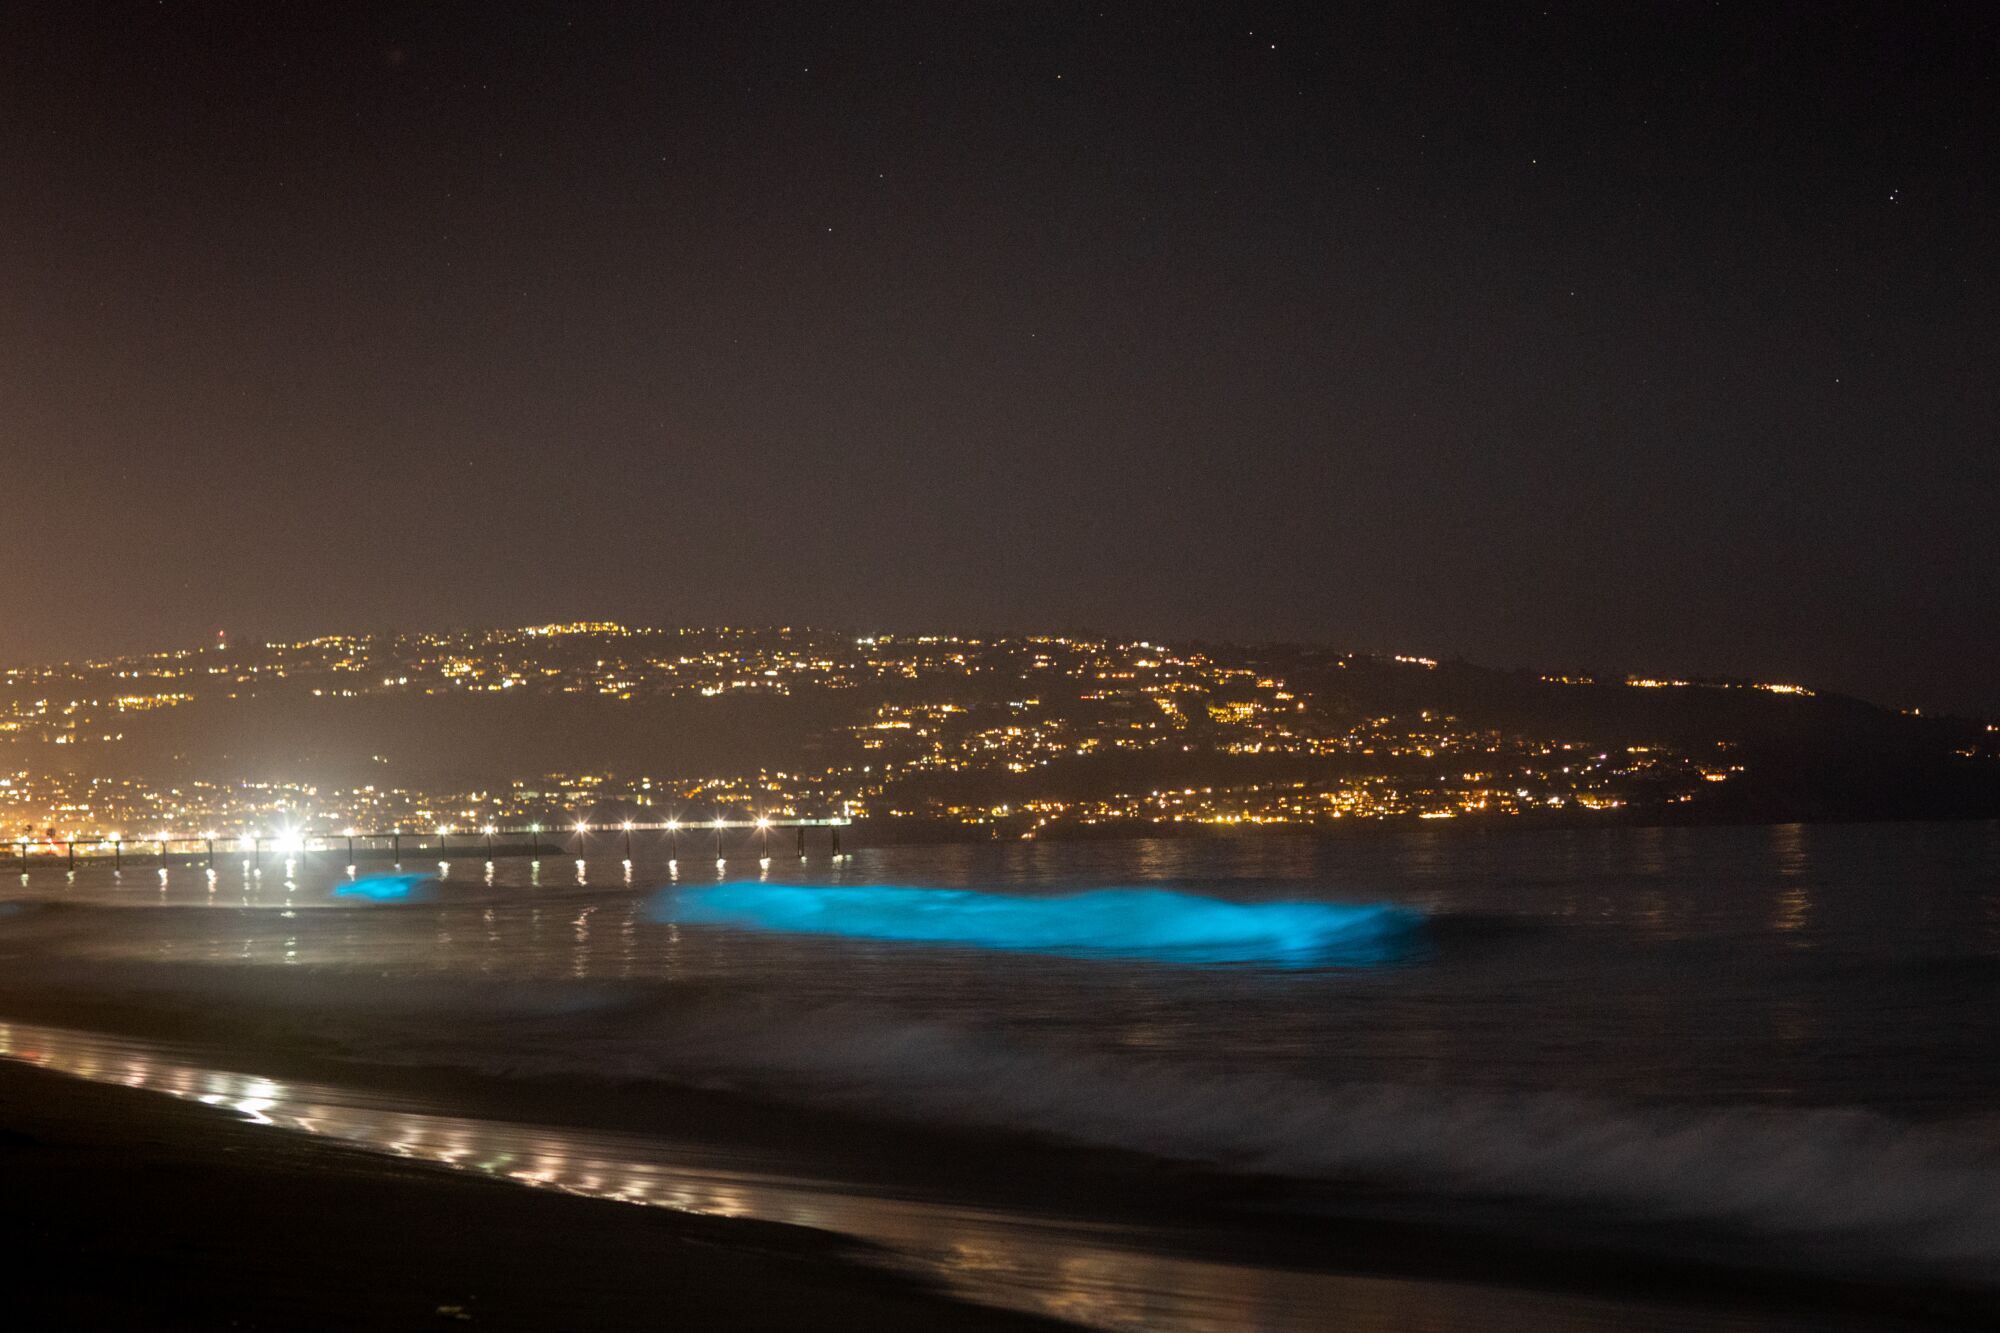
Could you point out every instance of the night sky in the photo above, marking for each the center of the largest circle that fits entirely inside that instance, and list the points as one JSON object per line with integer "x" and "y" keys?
{"x": 1593, "y": 336}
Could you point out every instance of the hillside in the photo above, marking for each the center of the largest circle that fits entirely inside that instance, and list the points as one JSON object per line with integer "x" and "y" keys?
{"x": 1022, "y": 732}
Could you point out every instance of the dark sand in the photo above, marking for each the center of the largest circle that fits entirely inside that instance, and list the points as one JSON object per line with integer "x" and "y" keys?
{"x": 124, "y": 1209}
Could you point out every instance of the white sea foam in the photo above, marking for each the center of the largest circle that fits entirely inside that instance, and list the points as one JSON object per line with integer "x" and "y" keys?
{"x": 1835, "y": 1182}
{"x": 1829, "y": 1186}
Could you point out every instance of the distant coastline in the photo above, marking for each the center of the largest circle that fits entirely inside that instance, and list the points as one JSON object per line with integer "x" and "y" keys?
{"x": 933, "y": 736}
{"x": 906, "y": 833}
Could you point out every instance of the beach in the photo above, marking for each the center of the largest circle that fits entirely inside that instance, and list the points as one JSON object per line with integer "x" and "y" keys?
{"x": 1388, "y": 1086}
{"x": 129, "y": 1209}
{"x": 157, "y": 1213}
{"x": 125, "y": 1209}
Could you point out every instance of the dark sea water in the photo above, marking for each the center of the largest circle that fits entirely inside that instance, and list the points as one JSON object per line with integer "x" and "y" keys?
{"x": 1777, "y": 1049}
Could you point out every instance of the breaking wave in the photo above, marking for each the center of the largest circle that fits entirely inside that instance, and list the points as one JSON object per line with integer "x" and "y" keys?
{"x": 1831, "y": 1186}
{"x": 1825, "y": 1189}
{"x": 1126, "y": 923}
{"x": 389, "y": 889}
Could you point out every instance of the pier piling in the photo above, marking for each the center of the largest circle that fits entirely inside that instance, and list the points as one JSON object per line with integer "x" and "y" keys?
{"x": 496, "y": 841}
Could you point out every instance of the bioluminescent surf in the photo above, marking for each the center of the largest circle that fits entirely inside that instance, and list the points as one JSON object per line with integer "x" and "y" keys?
{"x": 1117, "y": 923}
{"x": 387, "y": 888}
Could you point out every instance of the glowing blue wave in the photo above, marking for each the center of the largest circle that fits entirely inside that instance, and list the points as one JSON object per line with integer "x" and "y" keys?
{"x": 1126, "y": 923}
{"x": 388, "y": 888}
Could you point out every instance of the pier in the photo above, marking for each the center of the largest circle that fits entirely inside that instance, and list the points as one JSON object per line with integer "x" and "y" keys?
{"x": 673, "y": 837}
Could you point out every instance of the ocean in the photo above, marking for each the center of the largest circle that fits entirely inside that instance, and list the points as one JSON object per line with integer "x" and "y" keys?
{"x": 1396, "y": 1080}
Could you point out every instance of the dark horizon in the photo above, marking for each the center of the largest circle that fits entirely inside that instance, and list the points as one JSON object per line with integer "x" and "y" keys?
{"x": 1550, "y": 336}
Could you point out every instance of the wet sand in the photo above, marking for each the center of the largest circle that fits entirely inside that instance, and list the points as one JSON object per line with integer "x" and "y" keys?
{"x": 189, "y": 1215}
{"x": 124, "y": 1209}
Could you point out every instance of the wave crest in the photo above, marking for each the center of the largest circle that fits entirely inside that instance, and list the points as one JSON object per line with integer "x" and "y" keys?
{"x": 1825, "y": 1188}
{"x": 1126, "y": 923}
{"x": 1839, "y": 1186}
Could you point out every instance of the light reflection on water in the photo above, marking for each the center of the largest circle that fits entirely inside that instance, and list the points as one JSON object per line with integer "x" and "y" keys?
{"x": 1848, "y": 966}
{"x": 1097, "y": 1275}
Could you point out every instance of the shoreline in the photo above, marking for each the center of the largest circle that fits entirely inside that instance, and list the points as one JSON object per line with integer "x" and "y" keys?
{"x": 1131, "y": 1146}
{"x": 65, "y": 1141}
{"x": 128, "y": 1209}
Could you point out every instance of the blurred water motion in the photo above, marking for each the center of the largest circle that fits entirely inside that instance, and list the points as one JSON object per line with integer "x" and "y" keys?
{"x": 1786, "y": 1035}
{"x": 1097, "y": 1275}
